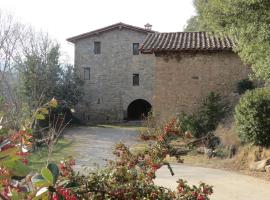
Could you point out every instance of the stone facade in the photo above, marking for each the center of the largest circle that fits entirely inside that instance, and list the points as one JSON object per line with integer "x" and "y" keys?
{"x": 110, "y": 89}
{"x": 176, "y": 71}
{"x": 184, "y": 79}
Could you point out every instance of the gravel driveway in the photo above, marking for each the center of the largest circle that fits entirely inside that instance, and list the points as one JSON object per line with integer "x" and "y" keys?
{"x": 94, "y": 145}
{"x": 227, "y": 185}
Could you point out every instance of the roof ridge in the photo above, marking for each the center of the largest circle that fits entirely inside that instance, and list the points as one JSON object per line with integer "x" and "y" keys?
{"x": 210, "y": 32}
{"x": 106, "y": 28}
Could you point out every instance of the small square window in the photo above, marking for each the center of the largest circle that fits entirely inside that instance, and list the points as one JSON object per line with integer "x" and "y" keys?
{"x": 86, "y": 73}
{"x": 195, "y": 77}
{"x": 135, "y": 48}
{"x": 136, "y": 79}
{"x": 97, "y": 47}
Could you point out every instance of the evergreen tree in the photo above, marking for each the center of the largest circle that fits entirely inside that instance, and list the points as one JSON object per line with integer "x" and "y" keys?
{"x": 248, "y": 23}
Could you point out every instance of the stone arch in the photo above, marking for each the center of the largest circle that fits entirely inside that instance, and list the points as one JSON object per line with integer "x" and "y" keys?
{"x": 137, "y": 109}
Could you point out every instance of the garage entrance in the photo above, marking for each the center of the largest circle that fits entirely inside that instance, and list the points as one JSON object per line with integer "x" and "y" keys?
{"x": 137, "y": 109}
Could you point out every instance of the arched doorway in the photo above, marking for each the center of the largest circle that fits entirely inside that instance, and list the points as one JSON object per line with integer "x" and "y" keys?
{"x": 137, "y": 109}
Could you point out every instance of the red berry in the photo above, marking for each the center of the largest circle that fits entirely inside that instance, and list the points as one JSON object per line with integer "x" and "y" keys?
{"x": 200, "y": 197}
{"x": 55, "y": 197}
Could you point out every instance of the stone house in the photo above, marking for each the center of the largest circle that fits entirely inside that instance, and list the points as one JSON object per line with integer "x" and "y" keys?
{"x": 188, "y": 66}
{"x": 118, "y": 78}
{"x": 171, "y": 71}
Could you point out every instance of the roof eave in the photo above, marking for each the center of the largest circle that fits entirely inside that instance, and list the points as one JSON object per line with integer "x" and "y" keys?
{"x": 98, "y": 31}
{"x": 182, "y": 50}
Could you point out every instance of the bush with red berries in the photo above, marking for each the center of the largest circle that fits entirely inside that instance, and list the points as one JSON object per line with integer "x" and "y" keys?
{"x": 129, "y": 177}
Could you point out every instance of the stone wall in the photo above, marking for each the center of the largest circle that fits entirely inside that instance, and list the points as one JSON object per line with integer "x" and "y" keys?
{"x": 109, "y": 90}
{"x": 183, "y": 80}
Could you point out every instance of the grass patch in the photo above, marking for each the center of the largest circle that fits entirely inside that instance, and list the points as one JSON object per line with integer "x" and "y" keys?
{"x": 139, "y": 147}
{"x": 61, "y": 150}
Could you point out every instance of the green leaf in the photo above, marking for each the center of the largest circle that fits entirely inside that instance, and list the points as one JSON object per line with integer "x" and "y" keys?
{"x": 44, "y": 111}
{"x": 46, "y": 173}
{"x": 16, "y": 196}
{"x": 40, "y": 117}
{"x": 17, "y": 168}
{"x": 9, "y": 153}
{"x": 54, "y": 170}
{"x": 39, "y": 181}
{"x": 53, "y": 103}
{"x": 69, "y": 184}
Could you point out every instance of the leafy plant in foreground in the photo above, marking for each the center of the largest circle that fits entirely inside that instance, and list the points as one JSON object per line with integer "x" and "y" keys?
{"x": 129, "y": 177}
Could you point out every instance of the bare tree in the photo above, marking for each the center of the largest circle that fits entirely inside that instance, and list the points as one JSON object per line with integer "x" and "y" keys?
{"x": 54, "y": 130}
{"x": 10, "y": 36}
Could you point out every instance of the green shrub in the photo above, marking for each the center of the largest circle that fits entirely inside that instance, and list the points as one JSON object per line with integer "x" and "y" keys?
{"x": 252, "y": 117}
{"x": 211, "y": 112}
{"x": 244, "y": 85}
{"x": 206, "y": 119}
{"x": 190, "y": 123}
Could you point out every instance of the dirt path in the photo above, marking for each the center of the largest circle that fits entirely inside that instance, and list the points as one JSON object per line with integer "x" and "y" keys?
{"x": 227, "y": 185}
{"x": 94, "y": 145}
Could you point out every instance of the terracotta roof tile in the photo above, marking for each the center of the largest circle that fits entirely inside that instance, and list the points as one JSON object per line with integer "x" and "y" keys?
{"x": 185, "y": 41}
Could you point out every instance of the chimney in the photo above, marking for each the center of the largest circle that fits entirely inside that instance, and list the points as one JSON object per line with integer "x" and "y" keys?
{"x": 148, "y": 26}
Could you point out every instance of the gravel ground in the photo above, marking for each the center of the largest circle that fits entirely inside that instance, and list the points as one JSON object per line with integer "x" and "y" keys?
{"x": 227, "y": 185}
{"x": 93, "y": 145}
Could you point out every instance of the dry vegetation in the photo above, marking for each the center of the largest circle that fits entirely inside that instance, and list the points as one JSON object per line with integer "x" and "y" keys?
{"x": 245, "y": 155}
{"x": 226, "y": 132}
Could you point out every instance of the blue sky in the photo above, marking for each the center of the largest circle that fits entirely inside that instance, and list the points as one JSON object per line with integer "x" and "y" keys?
{"x": 66, "y": 18}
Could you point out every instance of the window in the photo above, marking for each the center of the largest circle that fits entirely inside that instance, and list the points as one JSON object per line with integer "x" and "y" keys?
{"x": 86, "y": 73}
{"x": 136, "y": 79}
{"x": 135, "y": 48}
{"x": 97, "y": 47}
{"x": 195, "y": 77}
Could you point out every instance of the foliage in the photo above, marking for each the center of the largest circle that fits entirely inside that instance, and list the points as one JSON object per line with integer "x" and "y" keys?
{"x": 130, "y": 176}
{"x": 152, "y": 133}
{"x": 70, "y": 85}
{"x": 212, "y": 111}
{"x": 149, "y": 129}
{"x": 31, "y": 72}
{"x": 195, "y": 23}
{"x": 248, "y": 23}
{"x": 207, "y": 118}
{"x": 244, "y": 85}
{"x": 53, "y": 182}
{"x": 10, "y": 37}
{"x": 149, "y": 120}
{"x": 62, "y": 149}
{"x": 146, "y": 133}
{"x": 14, "y": 150}
{"x": 252, "y": 116}
{"x": 43, "y": 77}
{"x": 190, "y": 123}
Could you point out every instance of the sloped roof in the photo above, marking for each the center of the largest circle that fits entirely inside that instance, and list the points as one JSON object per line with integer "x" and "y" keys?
{"x": 119, "y": 25}
{"x": 185, "y": 41}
